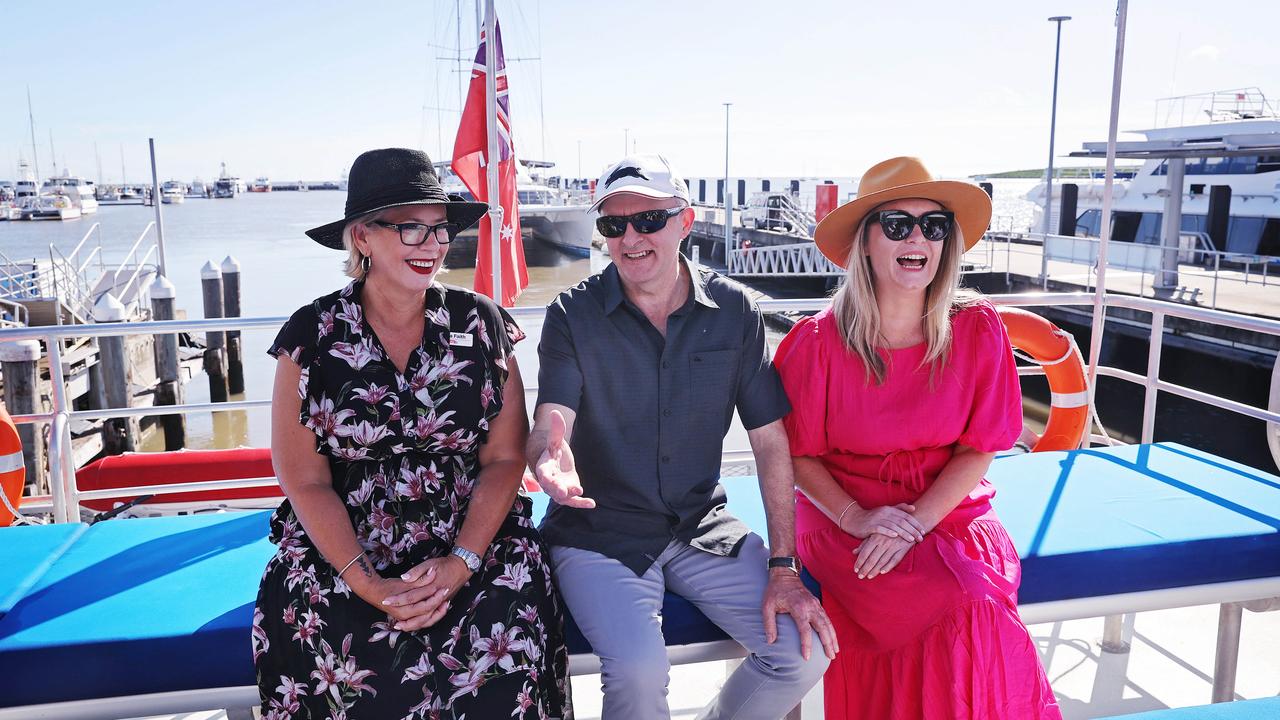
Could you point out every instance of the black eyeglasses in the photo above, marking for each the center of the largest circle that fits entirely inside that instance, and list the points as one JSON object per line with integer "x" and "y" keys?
{"x": 416, "y": 233}
{"x": 649, "y": 221}
{"x": 897, "y": 225}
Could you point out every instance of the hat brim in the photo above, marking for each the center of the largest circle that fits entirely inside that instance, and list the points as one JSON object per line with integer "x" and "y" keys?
{"x": 643, "y": 190}
{"x": 970, "y": 203}
{"x": 463, "y": 213}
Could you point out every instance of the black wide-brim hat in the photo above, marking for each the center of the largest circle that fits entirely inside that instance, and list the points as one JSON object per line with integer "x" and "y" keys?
{"x": 391, "y": 177}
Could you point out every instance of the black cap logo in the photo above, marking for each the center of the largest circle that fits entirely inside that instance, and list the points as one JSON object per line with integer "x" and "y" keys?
{"x": 624, "y": 172}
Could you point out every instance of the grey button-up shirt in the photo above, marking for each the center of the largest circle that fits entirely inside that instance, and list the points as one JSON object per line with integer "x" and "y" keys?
{"x": 652, "y": 413}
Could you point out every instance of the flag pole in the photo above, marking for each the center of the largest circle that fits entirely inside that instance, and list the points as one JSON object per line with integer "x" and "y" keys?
{"x": 492, "y": 156}
{"x": 1108, "y": 188}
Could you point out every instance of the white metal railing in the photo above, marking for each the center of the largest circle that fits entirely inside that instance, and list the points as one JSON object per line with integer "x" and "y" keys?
{"x": 65, "y": 497}
{"x": 1190, "y": 273}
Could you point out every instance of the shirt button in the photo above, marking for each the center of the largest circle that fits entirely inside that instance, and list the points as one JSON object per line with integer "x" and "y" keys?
{"x": 666, "y": 413}
{"x": 666, "y": 458}
{"x": 665, "y": 364}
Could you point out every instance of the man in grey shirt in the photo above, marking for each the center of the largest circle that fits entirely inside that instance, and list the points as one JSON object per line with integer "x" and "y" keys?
{"x": 641, "y": 368}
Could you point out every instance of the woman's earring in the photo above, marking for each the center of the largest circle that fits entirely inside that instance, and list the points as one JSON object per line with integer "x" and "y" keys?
{"x": 366, "y": 263}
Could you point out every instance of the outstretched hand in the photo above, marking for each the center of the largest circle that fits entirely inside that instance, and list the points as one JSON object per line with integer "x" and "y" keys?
{"x": 556, "y": 472}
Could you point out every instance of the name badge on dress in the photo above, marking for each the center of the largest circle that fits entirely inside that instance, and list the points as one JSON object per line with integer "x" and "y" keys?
{"x": 457, "y": 339}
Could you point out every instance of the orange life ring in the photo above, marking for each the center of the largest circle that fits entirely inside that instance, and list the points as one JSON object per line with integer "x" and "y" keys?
{"x": 1069, "y": 388}
{"x": 13, "y": 472}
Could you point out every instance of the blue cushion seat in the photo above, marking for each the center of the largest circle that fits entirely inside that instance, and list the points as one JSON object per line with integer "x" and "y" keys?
{"x": 1260, "y": 709}
{"x": 127, "y": 607}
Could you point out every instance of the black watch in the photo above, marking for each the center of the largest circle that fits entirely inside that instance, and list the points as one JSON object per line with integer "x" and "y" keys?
{"x": 786, "y": 563}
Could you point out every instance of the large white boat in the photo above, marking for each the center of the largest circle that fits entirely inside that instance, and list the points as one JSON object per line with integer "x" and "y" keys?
{"x": 1237, "y": 148}
{"x": 80, "y": 190}
{"x": 173, "y": 192}
{"x": 51, "y": 206}
{"x": 262, "y": 184}
{"x": 550, "y": 214}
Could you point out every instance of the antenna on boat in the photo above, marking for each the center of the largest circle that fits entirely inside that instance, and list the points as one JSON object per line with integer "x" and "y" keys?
{"x": 1108, "y": 191}
{"x": 53, "y": 155}
{"x": 35, "y": 154}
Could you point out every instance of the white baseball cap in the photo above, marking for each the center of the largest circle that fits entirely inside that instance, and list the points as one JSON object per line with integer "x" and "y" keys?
{"x": 647, "y": 175}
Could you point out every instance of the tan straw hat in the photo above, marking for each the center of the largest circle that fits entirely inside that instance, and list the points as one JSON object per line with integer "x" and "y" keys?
{"x": 897, "y": 179}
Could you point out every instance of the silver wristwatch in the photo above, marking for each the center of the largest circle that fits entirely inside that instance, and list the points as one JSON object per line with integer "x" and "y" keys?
{"x": 471, "y": 559}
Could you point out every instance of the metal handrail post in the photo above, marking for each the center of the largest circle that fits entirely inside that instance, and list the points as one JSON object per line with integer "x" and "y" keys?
{"x": 1217, "y": 258}
{"x": 58, "y": 397}
{"x": 1153, "y": 376}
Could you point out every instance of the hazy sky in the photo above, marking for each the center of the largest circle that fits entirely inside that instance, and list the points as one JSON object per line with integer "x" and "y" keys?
{"x": 297, "y": 89}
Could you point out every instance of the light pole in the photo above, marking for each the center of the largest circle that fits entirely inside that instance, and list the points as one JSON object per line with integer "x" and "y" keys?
{"x": 728, "y": 197}
{"x": 579, "y": 158}
{"x": 626, "y": 142}
{"x": 1053, "y": 122}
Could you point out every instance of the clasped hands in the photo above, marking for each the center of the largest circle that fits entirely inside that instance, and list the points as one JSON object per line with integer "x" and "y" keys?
{"x": 421, "y": 596}
{"x": 888, "y": 532}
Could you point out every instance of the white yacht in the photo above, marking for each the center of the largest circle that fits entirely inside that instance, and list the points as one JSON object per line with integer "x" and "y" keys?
{"x": 550, "y": 214}
{"x": 80, "y": 190}
{"x": 262, "y": 184}
{"x": 1237, "y": 148}
{"x": 173, "y": 192}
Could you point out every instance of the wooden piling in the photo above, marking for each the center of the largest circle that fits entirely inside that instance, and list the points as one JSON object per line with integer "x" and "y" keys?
{"x": 119, "y": 434}
{"x": 215, "y": 359}
{"x": 231, "y": 308}
{"x": 18, "y": 362}
{"x": 169, "y": 390}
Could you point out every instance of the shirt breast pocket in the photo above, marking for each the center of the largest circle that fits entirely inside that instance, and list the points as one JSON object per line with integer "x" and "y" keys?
{"x": 713, "y": 379}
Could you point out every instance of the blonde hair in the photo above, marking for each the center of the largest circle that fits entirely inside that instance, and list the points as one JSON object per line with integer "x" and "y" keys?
{"x": 858, "y": 317}
{"x": 353, "y": 264}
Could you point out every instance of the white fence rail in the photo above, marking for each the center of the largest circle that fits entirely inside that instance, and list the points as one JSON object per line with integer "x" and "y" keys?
{"x": 66, "y": 496}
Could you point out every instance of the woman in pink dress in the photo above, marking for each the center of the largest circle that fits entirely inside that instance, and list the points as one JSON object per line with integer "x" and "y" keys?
{"x": 903, "y": 390}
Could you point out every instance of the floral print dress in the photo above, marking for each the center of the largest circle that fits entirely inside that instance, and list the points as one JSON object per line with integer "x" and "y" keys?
{"x": 403, "y": 452}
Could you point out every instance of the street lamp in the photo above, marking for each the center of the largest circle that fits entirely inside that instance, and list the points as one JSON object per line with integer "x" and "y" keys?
{"x": 579, "y": 158}
{"x": 1053, "y": 121}
{"x": 626, "y": 142}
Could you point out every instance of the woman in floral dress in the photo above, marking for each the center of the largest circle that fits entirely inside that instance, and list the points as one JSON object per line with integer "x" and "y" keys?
{"x": 409, "y": 580}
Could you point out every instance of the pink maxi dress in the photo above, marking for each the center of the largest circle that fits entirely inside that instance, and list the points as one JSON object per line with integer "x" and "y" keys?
{"x": 939, "y": 635}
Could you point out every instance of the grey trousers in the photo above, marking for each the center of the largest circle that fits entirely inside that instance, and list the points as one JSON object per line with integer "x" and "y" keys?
{"x": 621, "y": 616}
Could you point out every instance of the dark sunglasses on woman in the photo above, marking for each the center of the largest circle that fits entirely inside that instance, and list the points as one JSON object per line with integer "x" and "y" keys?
{"x": 649, "y": 221}
{"x": 897, "y": 225}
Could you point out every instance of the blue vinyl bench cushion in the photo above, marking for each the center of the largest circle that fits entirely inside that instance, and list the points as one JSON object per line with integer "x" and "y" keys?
{"x": 140, "y": 606}
{"x": 1136, "y": 518}
{"x": 1261, "y": 709}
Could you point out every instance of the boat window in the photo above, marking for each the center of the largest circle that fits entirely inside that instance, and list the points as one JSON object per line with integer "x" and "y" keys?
{"x": 1268, "y": 163}
{"x": 1244, "y": 165}
{"x": 1124, "y": 225}
{"x": 1269, "y": 243}
{"x": 1088, "y": 223}
{"x": 1193, "y": 223}
{"x": 1149, "y": 229}
{"x": 1244, "y": 234}
{"x": 1216, "y": 166}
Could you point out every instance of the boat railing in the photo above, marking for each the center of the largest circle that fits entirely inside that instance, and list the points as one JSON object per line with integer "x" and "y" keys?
{"x": 1193, "y": 273}
{"x": 12, "y": 314}
{"x": 19, "y": 279}
{"x": 65, "y": 496}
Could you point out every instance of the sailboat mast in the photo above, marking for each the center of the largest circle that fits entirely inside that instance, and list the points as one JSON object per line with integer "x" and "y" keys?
{"x": 35, "y": 154}
{"x": 491, "y": 160}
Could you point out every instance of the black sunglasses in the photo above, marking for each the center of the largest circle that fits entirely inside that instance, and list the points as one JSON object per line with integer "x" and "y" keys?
{"x": 416, "y": 233}
{"x": 897, "y": 225}
{"x": 649, "y": 221}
